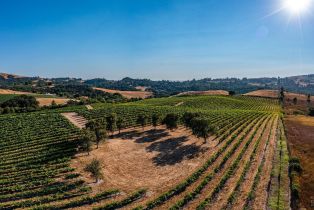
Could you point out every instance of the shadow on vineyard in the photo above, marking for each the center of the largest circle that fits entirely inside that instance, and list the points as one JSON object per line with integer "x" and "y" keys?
{"x": 172, "y": 151}
{"x": 152, "y": 135}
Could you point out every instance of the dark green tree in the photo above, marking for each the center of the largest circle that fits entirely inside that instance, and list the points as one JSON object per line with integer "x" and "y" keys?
{"x": 98, "y": 127}
{"x": 112, "y": 122}
{"x": 231, "y": 93}
{"x": 188, "y": 117}
{"x": 171, "y": 121}
{"x": 142, "y": 120}
{"x": 282, "y": 95}
{"x": 120, "y": 124}
{"x": 201, "y": 128}
{"x": 86, "y": 140}
{"x": 101, "y": 135}
{"x": 155, "y": 120}
{"x": 94, "y": 168}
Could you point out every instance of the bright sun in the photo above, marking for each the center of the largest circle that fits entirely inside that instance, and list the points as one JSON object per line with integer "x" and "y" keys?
{"x": 297, "y": 6}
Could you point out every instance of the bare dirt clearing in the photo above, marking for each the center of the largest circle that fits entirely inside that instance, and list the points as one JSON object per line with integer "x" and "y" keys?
{"x": 263, "y": 93}
{"x": 152, "y": 159}
{"x": 300, "y": 135}
{"x": 7, "y": 91}
{"x": 48, "y": 101}
{"x": 128, "y": 94}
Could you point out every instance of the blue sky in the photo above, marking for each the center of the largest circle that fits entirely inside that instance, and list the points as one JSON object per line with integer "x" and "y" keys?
{"x": 157, "y": 39}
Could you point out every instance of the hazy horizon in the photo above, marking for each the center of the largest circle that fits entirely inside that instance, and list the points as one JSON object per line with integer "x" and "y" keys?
{"x": 166, "y": 39}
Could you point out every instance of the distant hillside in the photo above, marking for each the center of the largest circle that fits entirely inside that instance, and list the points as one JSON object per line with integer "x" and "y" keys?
{"x": 298, "y": 84}
{"x": 208, "y": 92}
{"x": 9, "y": 76}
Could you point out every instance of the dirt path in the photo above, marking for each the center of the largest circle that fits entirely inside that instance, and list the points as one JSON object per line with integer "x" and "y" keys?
{"x": 75, "y": 119}
{"x": 208, "y": 190}
{"x": 249, "y": 178}
{"x": 209, "y": 170}
{"x": 262, "y": 187}
{"x": 221, "y": 200}
{"x": 179, "y": 104}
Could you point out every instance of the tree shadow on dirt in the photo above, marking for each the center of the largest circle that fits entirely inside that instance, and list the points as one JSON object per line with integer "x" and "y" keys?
{"x": 128, "y": 134}
{"x": 152, "y": 135}
{"x": 173, "y": 150}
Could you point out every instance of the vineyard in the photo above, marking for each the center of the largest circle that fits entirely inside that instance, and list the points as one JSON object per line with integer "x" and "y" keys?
{"x": 244, "y": 166}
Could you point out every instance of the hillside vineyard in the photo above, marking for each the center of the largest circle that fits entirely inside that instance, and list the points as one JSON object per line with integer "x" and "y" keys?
{"x": 247, "y": 168}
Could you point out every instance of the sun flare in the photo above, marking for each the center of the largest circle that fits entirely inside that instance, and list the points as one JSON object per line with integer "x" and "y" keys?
{"x": 297, "y": 6}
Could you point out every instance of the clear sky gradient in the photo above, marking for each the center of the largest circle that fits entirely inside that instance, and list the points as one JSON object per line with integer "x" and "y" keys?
{"x": 156, "y": 39}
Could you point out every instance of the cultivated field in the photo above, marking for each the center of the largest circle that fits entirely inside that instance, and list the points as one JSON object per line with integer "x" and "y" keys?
{"x": 149, "y": 168}
{"x": 208, "y": 92}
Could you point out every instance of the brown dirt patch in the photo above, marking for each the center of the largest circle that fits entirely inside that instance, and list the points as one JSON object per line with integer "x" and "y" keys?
{"x": 48, "y": 101}
{"x": 127, "y": 94}
{"x": 263, "y": 93}
{"x": 208, "y": 92}
{"x": 300, "y": 135}
{"x": 153, "y": 159}
{"x": 7, "y": 91}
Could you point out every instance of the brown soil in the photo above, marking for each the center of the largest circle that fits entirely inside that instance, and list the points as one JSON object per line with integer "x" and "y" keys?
{"x": 250, "y": 176}
{"x": 221, "y": 201}
{"x": 208, "y": 92}
{"x": 300, "y": 135}
{"x": 7, "y": 91}
{"x": 263, "y": 93}
{"x": 261, "y": 192}
{"x": 208, "y": 190}
{"x": 48, "y": 101}
{"x": 128, "y": 94}
{"x": 152, "y": 159}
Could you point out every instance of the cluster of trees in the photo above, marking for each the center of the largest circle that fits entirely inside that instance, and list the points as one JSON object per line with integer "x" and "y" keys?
{"x": 20, "y": 103}
{"x": 80, "y": 90}
{"x": 200, "y": 127}
{"x": 97, "y": 131}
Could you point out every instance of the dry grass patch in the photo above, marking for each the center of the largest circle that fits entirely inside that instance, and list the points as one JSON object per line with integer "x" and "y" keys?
{"x": 153, "y": 159}
{"x": 207, "y": 92}
{"x": 128, "y": 94}
{"x": 263, "y": 93}
{"x": 48, "y": 101}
